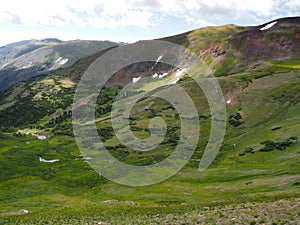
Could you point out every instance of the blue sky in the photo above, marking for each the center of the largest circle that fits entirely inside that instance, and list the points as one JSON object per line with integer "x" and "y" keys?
{"x": 130, "y": 20}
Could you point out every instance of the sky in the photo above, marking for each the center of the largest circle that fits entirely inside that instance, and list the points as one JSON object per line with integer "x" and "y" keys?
{"x": 130, "y": 20}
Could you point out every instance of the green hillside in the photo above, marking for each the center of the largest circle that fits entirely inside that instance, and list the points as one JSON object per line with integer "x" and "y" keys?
{"x": 255, "y": 178}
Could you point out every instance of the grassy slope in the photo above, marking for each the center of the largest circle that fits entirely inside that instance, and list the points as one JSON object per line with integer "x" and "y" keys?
{"x": 266, "y": 95}
{"x": 28, "y": 183}
{"x": 272, "y": 212}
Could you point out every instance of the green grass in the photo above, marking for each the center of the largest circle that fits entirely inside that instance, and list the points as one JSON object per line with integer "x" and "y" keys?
{"x": 71, "y": 192}
{"x": 267, "y": 211}
{"x": 75, "y": 188}
{"x": 290, "y": 64}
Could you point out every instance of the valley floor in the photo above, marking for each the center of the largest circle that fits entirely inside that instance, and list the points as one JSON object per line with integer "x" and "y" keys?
{"x": 255, "y": 178}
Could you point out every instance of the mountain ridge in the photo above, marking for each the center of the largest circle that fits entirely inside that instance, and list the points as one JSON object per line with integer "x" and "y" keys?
{"x": 26, "y": 59}
{"x": 226, "y": 49}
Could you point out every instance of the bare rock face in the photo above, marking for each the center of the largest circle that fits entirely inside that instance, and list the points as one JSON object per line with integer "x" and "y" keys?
{"x": 279, "y": 41}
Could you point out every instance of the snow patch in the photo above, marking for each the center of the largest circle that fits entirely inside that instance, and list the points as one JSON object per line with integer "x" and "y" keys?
{"x": 134, "y": 80}
{"x": 40, "y": 137}
{"x": 27, "y": 66}
{"x": 87, "y": 158}
{"x": 64, "y": 61}
{"x": 268, "y": 26}
{"x": 179, "y": 72}
{"x": 59, "y": 59}
{"x": 159, "y": 58}
{"x": 162, "y": 75}
{"x": 4, "y": 65}
{"x": 48, "y": 161}
{"x": 23, "y": 212}
{"x": 228, "y": 101}
{"x": 155, "y": 75}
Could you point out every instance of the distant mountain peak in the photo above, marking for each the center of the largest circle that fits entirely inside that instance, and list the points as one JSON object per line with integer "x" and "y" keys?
{"x": 51, "y": 40}
{"x": 25, "y": 59}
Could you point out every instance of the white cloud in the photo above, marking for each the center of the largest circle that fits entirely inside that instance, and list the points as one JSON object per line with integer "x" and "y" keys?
{"x": 191, "y": 5}
{"x": 293, "y": 4}
{"x": 89, "y": 12}
{"x": 204, "y": 23}
{"x": 256, "y": 6}
{"x": 139, "y": 13}
{"x": 34, "y": 12}
{"x": 125, "y": 19}
{"x": 136, "y": 18}
{"x": 189, "y": 19}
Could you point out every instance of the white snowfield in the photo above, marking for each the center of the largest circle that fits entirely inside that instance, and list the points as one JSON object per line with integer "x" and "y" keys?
{"x": 162, "y": 75}
{"x": 87, "y": 158}
{"x": 159, "y": 58}
{"x": 268, "y": 26}
{"x": 5, "y": 65}
{"x": 61, "y": 61}
{"x": 134, "y": 80}
{"x": 228, "y": 101}
{"x": 48, "y": 161}
{"x": 64, "y": 61}
{"x": 155, "y": 75}
{"x": 58, "y": 59}
{"x": 40, "y": 137}
{"x": 27, "y": 66}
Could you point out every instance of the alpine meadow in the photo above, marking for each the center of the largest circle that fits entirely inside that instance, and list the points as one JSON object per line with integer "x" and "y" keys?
{"x": 254, "y": 179}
